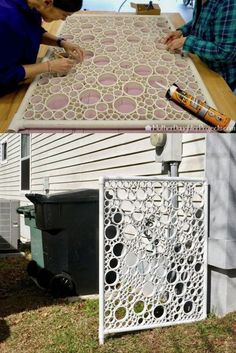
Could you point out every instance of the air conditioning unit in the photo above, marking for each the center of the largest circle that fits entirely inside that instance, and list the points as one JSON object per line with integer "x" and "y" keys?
{"x": 9, "y": 226}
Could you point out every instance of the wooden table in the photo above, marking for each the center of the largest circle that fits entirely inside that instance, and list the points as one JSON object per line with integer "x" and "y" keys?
{"x": 220, "y": 92}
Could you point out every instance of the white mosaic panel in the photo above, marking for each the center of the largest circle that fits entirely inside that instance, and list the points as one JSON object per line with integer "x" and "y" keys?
{"x": 116, "y": 85}
{"x": 152, "y": 252}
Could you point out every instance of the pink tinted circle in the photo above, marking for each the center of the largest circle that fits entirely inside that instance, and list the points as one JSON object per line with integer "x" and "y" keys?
{"x": 167, "y": 57}
{"x": 38, "y": 107}
{"x": 101, "y": 60}
{"x": 57, "y": 101}
{"x": 28, "y": 114}
{"x": 107, "y": 41}
{"x": 89, "y": 96}
{"x": 159, "y": 114}
{"x": 146, "y": 48}
{"x": 154, "y": 80}
{"x": 160, "y": 103}
{"x": 125, "y": 64}
{"x": 70, "y": 115}
{"x": 181, "y": 63}
{"x": 87, "y": 38}
{"x": 111, "y": 48}
{"x": 145, "y": 30}
{"x": 162, "y": 70}
{"x": 90, "y": 114}
{"x": 47, "y": 115}
{"x": 55, "y": 89}
{"x": 36, "y": 99}
{"x": 107, "y": 79}
{"x": 108, "y": 97}
{"x": 43, "y": 81}
{"x": 88, "y": 54}
{"x": 143, "y": 70}
{"x": 59, "y": 115}
{"x": 133, "y": 88}
{"x": 110, "y": 32}
{"x": 125, "y": 105}
{"x": 133, "y": 39}
{"x": 141, "y": 111}
{"x": 101, "y": 107}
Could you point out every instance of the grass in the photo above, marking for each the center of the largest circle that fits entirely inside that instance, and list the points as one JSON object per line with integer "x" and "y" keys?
{"x": 31, "y": 321}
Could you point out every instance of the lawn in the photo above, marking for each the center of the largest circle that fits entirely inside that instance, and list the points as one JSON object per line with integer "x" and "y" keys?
{"x": 31, "y": 321}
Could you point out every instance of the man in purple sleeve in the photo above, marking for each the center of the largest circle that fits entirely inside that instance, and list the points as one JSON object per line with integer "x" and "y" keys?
{"x": 21, "y": 35}
{"x": 211, "y": 34}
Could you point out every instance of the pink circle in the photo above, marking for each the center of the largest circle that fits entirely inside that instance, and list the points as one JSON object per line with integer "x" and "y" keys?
{"x": 167, "y": 57}
{"x": 145, "y": 30}
{"x": 55, "y": 89}
{"x": 101, "y": 107}
{"x": 90, "y": 114}
{"x": 88, "y": 54}
{"x": 159, "y": 114}
{"x": 125, "y": 64}
{"x": 101, "y": 60}
{"x": 107, "y": 79}
{"x": 125, "y": 105}
{"x": 193, "y": 86}
{"x": 110, "y": 32}
{"x": 162, "y": 70}
{"x": 107, "y": 41}
{"x": 146, "y": 48}
{"x": 47, "y": 115}
{"x": 154, "y": 80}
{"x": 181, "y": 63}
{"x": 57, "y": 101}
{"x": 111, "y": 49}
{"x": 80, "y": 77}
{"x": 78, "y": 86}
{"x": 38, "y": 107}
{"x": 55, "y": 80}
{"x": 138, "y": 24}
{"x": 43, "y": 81}
{"x": 36, "y": 99}
{"x": 143, "y": 70}
{"x": 127, "y": 32}
{"x": 142, "y": 111}
{"x": 87, "y": 38}
{"x": 86, "y": 26}
{"x": 160, "y": 103}
{"x": 108, "y": 97}
{"x": 59, "y": 115}
{"x": 133, "y": 88}
{"x": 89, "y": 96}
{"x": 28, "y": 114}
{"x": 70, "y": 115}
{"x": 133, "y": 39}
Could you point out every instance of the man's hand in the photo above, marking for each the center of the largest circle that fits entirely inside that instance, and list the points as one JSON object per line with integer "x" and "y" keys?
{"x": 61, "y": 66}
{"x": 176, "y": 44}
{"x": 74, "y": 51}
{"x": 171, "y": 36}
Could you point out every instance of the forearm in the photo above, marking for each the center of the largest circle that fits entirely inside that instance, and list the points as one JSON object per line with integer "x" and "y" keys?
{"x": 49, "y": 39}
{"x": 36, "y": 69}
{"x": 224, "y": 52}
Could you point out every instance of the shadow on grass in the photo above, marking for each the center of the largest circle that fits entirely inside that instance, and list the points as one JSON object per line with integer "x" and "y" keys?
{"x": 18, "y": 293}
{"x": 4, "y": 330}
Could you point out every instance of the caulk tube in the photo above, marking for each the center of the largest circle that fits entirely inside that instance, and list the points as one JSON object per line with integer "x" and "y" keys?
{"x": 201, "y": 110}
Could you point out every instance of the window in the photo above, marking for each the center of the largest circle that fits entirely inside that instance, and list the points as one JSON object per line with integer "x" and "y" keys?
{"x": 4, "y": 151}
{"x": 25, "y": 162}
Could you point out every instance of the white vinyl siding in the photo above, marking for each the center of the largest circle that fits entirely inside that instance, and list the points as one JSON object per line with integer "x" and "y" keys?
{"x": 73, "y": 161}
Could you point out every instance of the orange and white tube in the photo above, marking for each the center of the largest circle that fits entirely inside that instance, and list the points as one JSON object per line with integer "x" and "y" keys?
{"x": 201, "y": 110}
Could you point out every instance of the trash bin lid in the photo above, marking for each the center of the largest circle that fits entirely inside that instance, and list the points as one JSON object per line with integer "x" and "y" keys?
{"x": 77, "y": 196}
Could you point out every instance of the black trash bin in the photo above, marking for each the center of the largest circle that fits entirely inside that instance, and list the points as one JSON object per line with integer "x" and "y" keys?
{"x": 70, "y": 228}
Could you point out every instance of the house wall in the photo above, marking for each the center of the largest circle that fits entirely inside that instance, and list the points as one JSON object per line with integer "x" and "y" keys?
{"x": 73, "y": 161}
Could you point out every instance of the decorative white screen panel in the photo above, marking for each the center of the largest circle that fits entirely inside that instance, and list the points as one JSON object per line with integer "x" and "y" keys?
{"x": 153, "y": 252}
{"x": 116, "y": 86}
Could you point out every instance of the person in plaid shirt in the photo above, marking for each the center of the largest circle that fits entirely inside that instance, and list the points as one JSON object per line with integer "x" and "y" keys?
{"x": 211, "y": 34}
